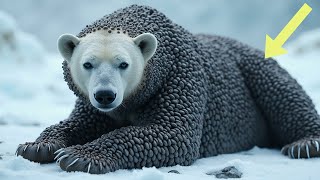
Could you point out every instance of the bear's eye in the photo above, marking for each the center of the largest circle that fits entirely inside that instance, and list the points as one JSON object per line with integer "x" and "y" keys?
{"x": 87, "y": 65}
{"x": 123, "y": 65}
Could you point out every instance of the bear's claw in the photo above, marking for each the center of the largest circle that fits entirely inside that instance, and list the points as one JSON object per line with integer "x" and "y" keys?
{"x": 58, "y": 153}
{"x": 42, "y": 152}
{"x": 305, "y": 148}
{"x": 70, "y": 159}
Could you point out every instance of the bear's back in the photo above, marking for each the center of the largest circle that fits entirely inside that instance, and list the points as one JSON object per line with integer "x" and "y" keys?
{"x": 232, "y": 118}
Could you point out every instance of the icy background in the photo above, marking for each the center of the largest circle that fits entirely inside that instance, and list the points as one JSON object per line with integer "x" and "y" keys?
{"x": 246, "y": 20}
{"x": 34, "y": 95}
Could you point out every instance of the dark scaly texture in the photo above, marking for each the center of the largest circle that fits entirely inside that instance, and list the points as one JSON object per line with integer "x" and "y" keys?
{"x": 200, "y": 96}
{"x": 84, "y": 124}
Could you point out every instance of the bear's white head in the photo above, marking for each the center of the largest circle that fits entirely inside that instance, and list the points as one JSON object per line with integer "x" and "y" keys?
{"x": 107, "y": 66}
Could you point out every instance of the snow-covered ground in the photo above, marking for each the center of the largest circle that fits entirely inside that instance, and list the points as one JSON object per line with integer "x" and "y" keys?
{"x": 34, "y": 95}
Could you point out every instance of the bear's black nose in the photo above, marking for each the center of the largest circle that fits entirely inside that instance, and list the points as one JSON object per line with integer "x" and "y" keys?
{"x": 105, "y": 97}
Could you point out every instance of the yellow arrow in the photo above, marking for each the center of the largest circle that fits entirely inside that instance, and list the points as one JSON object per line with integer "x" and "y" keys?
{"x": 274, "y": 47}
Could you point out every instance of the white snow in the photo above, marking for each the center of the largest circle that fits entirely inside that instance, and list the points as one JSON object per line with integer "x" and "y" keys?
{"x": 34, "y": 95}
{"x": 16, "y": 45}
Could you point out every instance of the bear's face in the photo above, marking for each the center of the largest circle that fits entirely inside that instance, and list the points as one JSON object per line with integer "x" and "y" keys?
{"x": 107, "y": 67}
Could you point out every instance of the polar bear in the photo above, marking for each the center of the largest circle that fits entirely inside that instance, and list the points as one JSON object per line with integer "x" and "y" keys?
{"x": 150, "y": 93}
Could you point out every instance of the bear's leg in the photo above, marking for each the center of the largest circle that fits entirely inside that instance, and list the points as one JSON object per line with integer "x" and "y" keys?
{"x": 291, "y": 115}
{"x": 130, "y": 147}
{"x": 82, "y": 126}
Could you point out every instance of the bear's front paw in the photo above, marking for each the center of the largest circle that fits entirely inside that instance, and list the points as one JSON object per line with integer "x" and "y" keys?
{"x": 85, "y": 159}
{"x": 304, "y": 148}
{"x": 42, "y": 152}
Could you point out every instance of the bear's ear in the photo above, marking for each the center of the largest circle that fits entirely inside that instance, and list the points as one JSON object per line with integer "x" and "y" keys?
{"x": 66, "y": 45}
{"x": 147, "y": 43}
